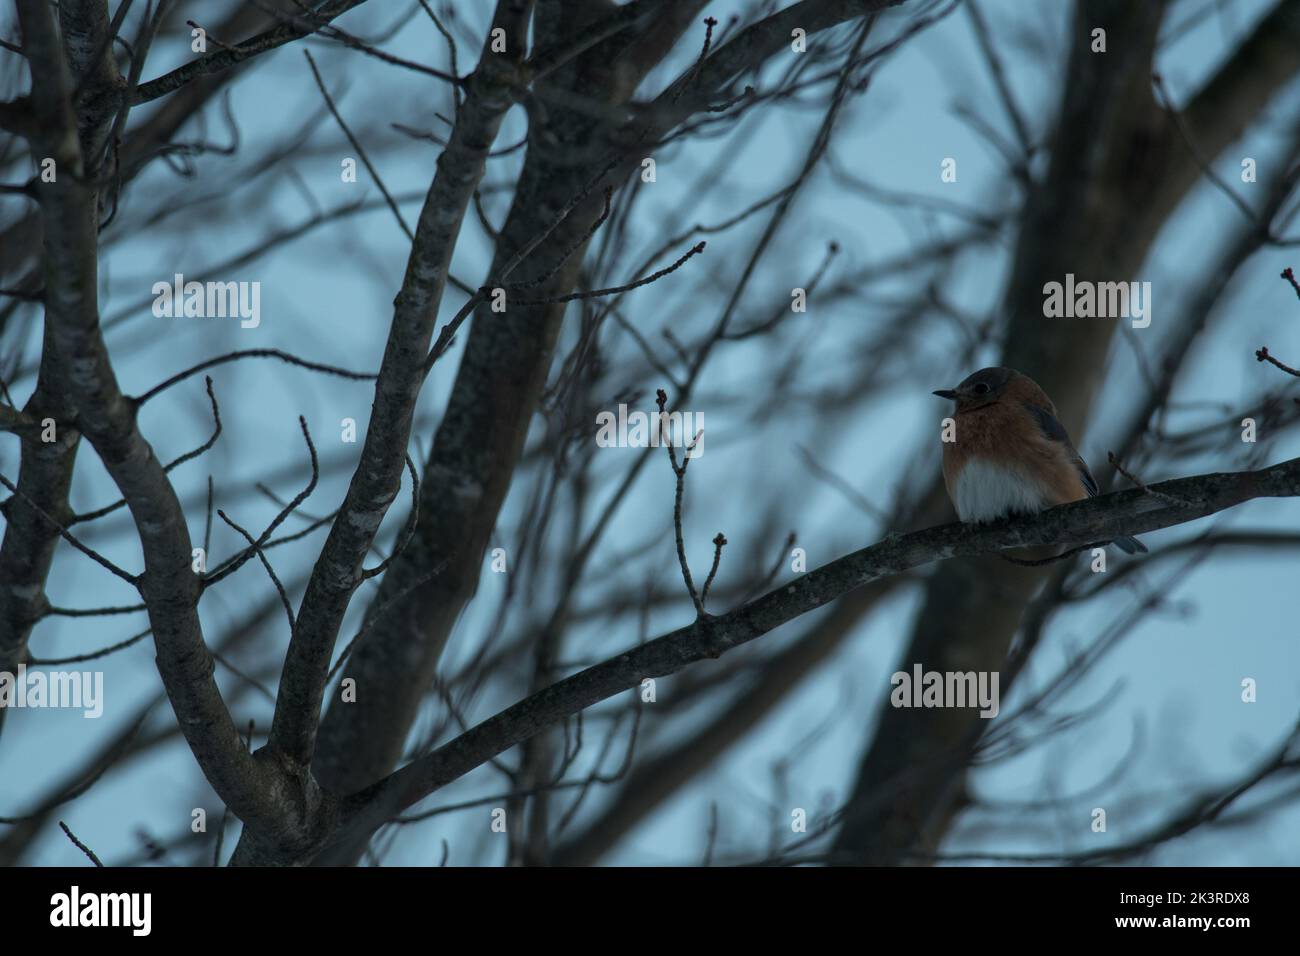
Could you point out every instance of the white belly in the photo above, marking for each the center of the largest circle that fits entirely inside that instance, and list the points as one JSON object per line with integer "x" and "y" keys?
{"x": 984, "y": 491}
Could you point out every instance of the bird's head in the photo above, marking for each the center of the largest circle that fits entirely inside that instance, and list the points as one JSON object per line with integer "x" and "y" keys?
{"x": 980, "y": 388}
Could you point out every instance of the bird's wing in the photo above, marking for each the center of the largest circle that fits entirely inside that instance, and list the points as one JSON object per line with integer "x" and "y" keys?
{"x": 1055, "y": 431}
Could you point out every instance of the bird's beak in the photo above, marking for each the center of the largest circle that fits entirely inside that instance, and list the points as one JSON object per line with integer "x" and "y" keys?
{"x": 945, "y": 393}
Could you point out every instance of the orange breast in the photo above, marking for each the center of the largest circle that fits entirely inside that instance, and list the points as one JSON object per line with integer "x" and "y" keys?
{"x": 1008, "y": 435}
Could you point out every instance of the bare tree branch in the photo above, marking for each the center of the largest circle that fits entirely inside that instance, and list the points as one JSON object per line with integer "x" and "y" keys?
{"x": 1103, "y": 518}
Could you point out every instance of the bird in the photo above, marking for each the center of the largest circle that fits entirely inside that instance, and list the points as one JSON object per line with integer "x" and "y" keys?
{"x": 1011, "y": 454}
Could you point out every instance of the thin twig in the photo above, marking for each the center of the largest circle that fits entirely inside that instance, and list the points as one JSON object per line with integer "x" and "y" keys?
{"x": 188, "y": 456}
{"x": 374, "y": 173}
{"x": 578, "y": 244}
{"x": 79, "y": 845}
{"x": 92, "y": 655}
{"x": 408, "y": 533}
{"x": 67, "y": 536}
{"x": 378, "y": 613}
{"x": 1206, "y": 167}
{"x": 1115, "y": 462}
{"x": 679, "y": 472}
{"x": 234, "y": 563}
{"x": 1289, "y": 276}
{"x": 257, "y": 549}
{"x": 255, "y": 353}
{"x": 53, "y": 611}
{"x": 616, "y": 290}
{"x": 719, "y": 542}
{"x": 1262, "y": 355}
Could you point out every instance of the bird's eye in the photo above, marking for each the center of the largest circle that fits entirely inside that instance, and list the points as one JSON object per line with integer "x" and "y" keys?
{"x": 981, "y": 389}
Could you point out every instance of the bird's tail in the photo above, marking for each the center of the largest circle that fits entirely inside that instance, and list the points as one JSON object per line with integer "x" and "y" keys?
{"x": 1130, "y": 545}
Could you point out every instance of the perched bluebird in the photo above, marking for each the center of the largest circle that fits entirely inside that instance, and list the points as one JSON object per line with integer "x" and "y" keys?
{"x": 1011, "y": 455}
